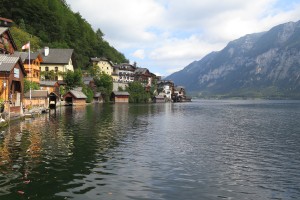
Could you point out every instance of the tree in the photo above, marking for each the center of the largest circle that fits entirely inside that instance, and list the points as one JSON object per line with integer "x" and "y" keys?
{"x": 28, "y": 84}
{"x": 137, "y": 93}
{"x": 89, "y": 93}
{"x": 104, "y": 84}
{"x": 73, "y": 79}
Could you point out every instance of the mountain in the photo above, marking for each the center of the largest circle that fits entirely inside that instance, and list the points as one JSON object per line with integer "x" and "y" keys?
{"x": 263, "y": 64}
{"x": 57, "y": 26}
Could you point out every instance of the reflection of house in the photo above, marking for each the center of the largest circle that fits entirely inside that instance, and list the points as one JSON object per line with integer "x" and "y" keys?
{"x": 120, "y": 97}
{"x": 75, "y": 97}
{"x": 55, "y": 63}
{"x": 124, "y": 73}
{"x": 36, "y": 98}
{"x": 12, "y": 73}
{"x": 104, "y": 65}
{"x": 34, "y": 67}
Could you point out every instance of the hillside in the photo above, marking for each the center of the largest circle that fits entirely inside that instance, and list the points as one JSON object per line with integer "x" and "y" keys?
{"x": 57, "y": 26}
{"x": 257, "y": 65}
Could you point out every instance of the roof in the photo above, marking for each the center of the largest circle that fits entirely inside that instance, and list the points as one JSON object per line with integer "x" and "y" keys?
{"x": 99, "y": 59}
{"x": 57, "y": 56}
{"x": 37, "y": 94}
{"x": 77, "y": 94}
{"x": 47, "y": 83}
{"x": 86, "y": 80}
{"x": 141, "y": 70}
{"x": 25, "y": 55}
{"x": 97, "y": 94}
{"x": 6, "y": 29}
{"x": 8, "y": 62}
{"x": 117, "y": 93}
{"x": 3, "y": 29}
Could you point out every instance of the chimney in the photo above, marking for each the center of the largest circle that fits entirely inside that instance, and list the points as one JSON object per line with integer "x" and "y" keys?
{"x": 46, "y": 51}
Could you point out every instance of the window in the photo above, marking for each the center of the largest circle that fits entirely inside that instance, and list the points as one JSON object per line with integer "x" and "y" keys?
{"x": 46, "y": 69}
{"x": 56, "y": 69}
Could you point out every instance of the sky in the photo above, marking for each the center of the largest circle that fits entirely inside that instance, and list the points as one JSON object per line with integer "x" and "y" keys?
{"x": 167, "y": 35}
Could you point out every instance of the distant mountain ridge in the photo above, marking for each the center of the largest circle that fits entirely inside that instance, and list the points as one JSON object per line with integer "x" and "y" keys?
{"x": 263, "y": 64}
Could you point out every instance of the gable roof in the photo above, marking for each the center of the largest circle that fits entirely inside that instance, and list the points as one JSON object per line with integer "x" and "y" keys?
{"x": 25, "y": 55}
{"x": 117, "y": 93}
{"x": 37, "y": 94}
{"x": 8, "y": 62}
{"x": 48, "y": 83}
{"x": 57, "y": 56}
{"x": 77, "y": 94}
{"x": 6, "y": 29}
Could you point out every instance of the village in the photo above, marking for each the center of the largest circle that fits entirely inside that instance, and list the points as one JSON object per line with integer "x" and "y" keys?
{"x": 16, "y": 67}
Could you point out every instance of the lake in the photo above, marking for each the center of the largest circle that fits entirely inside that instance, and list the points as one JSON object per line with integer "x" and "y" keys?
{"x": 205, "y": 149}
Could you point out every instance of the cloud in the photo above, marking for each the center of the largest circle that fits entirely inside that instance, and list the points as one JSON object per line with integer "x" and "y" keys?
{"x": 140, "y": 54}
{"x": 167, "y": 35}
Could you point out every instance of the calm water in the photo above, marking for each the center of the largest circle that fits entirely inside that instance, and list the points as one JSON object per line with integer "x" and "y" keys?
{"x": 198, "y": 150}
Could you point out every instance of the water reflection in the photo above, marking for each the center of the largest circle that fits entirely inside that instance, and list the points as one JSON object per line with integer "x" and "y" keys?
{"x": 198, "y": 150}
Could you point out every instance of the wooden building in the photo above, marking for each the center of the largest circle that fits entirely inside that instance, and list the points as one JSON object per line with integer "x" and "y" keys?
{"x": 32, "y": 69}
{"x": 37, "y": 98}
{"x": 75, "y": 97}
{"x": 7, "y": 44}
{"x": 120, "y": 97}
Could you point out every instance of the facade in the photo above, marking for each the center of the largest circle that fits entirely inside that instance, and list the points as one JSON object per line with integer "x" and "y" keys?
{"x": 55, "y": 62}
{"x": 32, "y": 70}
{"x": 124, "y": 73}
{"x": 143, "y": 76}
{"x": 50, "y": 86}
{"x": 105, "y": 65}
{"x": 120, "y": 97}
{"x": 166, "y": 89}
{"x": 37, "y": 98}
{"x": 12, "y": 75}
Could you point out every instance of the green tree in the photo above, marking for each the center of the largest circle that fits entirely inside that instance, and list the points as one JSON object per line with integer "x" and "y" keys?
{"x": 104, "y": 84}
{"x": 137, "y": 93}
{"x": 89, "y": 93}
{"x": 73, "y": 79}
{"x": 28, "y": 84}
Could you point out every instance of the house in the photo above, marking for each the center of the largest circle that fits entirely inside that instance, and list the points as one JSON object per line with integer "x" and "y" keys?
{"x": 50, "y": 86}
{"x": 98, "y": 97}
{"x": 55, "y": 63}
{"x": 166, "y": 89}
{"x": 36, "y": 98}
{"x": 7, "y": 44}
{"x": 124, "y": 73}
{"x": 32, "y": 70}
{"x": 12, "y": 75}
{"x": 120, "y": 97}
{"x": 144, "y": 76}
{"x": 75, "y": 97}
{"x": 104, "y": 64}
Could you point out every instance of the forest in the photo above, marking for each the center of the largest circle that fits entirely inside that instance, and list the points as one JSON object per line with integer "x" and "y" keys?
{"x": 52, "y": 23}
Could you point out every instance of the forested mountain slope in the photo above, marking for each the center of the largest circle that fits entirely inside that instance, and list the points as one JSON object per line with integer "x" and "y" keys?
{"x": 54, "y": 24}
